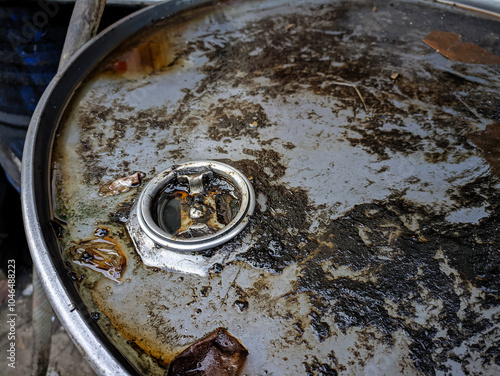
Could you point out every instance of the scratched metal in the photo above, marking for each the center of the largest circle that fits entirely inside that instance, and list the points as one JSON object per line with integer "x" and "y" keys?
{"x": 374, "y": 246}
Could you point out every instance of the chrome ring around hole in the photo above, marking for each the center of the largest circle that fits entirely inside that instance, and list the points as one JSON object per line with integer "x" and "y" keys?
{"x": 175, "y": 243}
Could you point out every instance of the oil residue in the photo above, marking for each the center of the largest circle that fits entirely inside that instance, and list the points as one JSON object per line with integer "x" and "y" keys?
{"x": 187, "y": 215}
{"x": 101, "y": 254}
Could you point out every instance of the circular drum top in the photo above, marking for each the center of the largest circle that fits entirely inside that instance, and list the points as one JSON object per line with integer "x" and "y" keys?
{"x": 374, "y": 243}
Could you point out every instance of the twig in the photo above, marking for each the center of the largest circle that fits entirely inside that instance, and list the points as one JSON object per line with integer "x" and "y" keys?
{"x": 355, "y": 88}
{"x": 467, "y": 107}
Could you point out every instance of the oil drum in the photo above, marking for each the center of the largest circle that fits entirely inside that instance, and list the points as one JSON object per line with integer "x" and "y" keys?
{"x": 275, "y": 187}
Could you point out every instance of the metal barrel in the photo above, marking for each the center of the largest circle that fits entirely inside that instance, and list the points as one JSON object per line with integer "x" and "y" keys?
{"x": 274, "y": 187}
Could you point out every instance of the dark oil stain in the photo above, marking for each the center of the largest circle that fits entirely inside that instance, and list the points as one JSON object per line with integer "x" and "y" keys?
{"x": 205, "y": 291}
{"x": 234, "y": 118}
{"x": 316, "y": 368}
{"x": 121, "y": 213}
{"x": 101, "y": 232}
{"x": 412, "y": 263}
{"x": 241, "y": 305}
{"x": 293, "y": 58}
{"x": 379, "y": 141}
{"x": 94, "y": 171}
{"x": 320, "y": 328}
{"x": 282, "y": 229}
{"x": 221, "y": 150}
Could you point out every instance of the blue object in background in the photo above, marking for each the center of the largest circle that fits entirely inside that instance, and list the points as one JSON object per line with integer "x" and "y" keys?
{"x": 30, "y": 48}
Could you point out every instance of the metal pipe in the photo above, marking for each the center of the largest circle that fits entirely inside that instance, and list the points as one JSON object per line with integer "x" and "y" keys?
{"x": 10, "y": 164}
{"x": 42, "y": 328}
{"x": 82, "y": 27}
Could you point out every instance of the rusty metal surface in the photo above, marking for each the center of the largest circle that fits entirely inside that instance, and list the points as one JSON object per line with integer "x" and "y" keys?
{"x": 374, "y": 247}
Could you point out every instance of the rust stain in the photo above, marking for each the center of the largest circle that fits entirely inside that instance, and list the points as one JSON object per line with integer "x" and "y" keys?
{"x": 151, "y": 55}
{"x": 157, "y": 52}
{"x": 136, "y": 337}
{"x": 450, "y": 45}
{"x": 121, "y": 185}
{"x": 102, "y": 254}
{"x": 489, "y": 142}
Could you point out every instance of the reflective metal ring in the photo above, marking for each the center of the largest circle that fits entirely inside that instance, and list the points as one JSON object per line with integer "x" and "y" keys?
{"x": 173, "y": 242}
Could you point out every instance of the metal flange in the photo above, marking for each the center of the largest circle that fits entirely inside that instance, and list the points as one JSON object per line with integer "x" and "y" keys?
{"x": 188, "y": 209}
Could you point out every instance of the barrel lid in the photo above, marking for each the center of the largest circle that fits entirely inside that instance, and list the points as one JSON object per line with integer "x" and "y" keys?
{"x": 372, "y": 159}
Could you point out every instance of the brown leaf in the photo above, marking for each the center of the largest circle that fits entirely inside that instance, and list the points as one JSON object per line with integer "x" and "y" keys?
{"x": 450, "y": 45}
{"x": 217, "y": 354}
{"x": 121, "y": 185}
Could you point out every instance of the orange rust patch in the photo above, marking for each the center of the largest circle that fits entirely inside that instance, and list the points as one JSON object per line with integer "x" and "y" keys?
{"x": 146, "y": 343}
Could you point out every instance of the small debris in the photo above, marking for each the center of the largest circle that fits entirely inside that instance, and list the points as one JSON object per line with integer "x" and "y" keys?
{"x": 102, "y": 255}
{"x": 472, "y": 111}
{"x": 121, "y": 185}
{"x": 355, "y": 88}
{"x": 450, "y": 45}
{"x": 394, "y": 76}
{"x": 28, "y": 291}
{"x": 288, "y": 27}
{"x": 101, "y": 232}
{"x": 489, "y": 142}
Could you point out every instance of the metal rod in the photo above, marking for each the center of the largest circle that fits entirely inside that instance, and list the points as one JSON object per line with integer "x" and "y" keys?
{"x": 82, "y": 27}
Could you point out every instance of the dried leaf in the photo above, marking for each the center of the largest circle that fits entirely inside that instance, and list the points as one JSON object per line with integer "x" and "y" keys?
{"x": 219, "y": 353}
{"x": 450, "y": 45}
{"x": 121, "y": 185}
